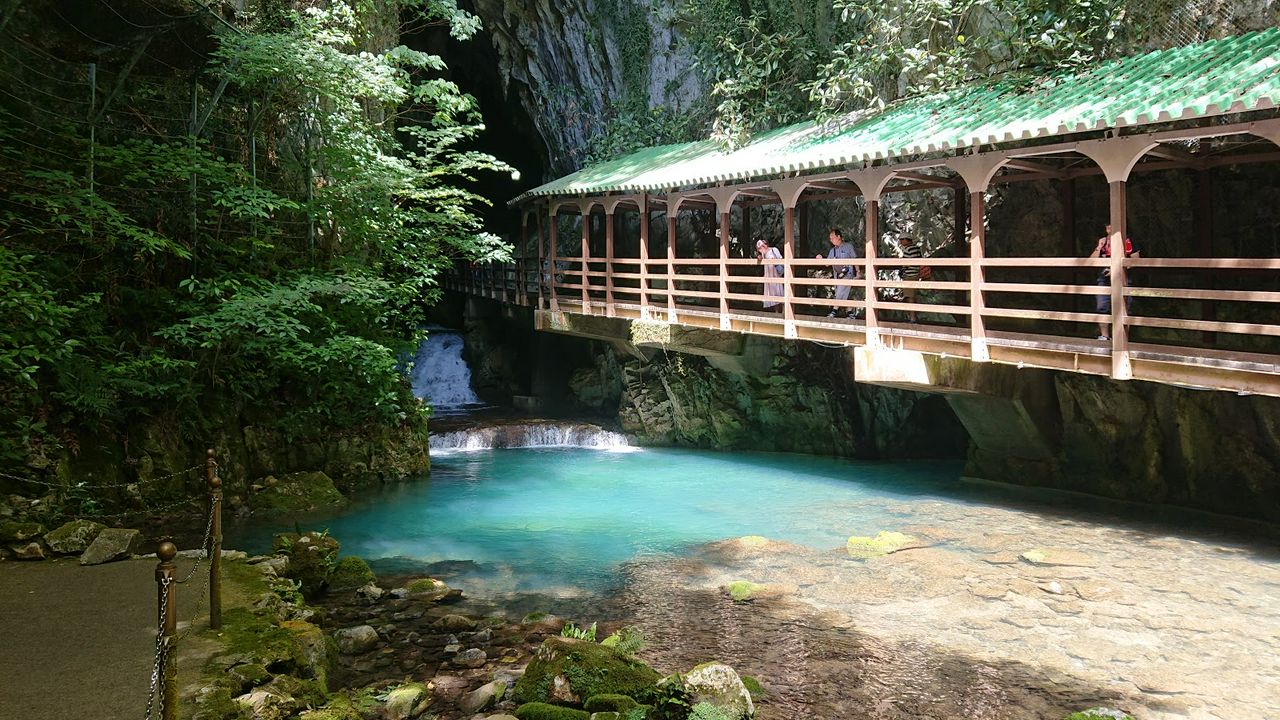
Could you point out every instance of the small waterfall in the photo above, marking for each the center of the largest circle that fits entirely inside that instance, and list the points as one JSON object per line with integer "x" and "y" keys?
{"x": 533, "y": 434}
{"x": 440, "y": 375}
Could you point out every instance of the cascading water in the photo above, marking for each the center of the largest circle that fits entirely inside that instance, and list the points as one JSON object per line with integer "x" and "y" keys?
{"x": 529, "y": 435}
{"x": 440, "y": 375}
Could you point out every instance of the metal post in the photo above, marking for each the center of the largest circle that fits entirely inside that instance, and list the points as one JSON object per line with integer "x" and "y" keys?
{"x": 608, "y": 263}
{"x": 869, "y": 255}
{"x": 644, "y": 256}
{"x": 167, "y": 590}
{"x": 977, "y": 303}
{"x": 215, "y": 541}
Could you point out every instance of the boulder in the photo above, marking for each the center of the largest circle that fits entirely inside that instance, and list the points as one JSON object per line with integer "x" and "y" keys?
{"x": 356, "y": 640}
{"x": 295, "y": 493}
{"x": 718, "y": 684}
{"x": 350, "y": 572}
{"x": 30, "y": 551}
{"x": 483, "y": 697}
{"x": 111, "y": 544}
{"x": 883, "y": 543}
{"x": 407, "y": 701}
{"x": 311, "y": 556}
{"x": 19, "y": 532}
{"x": 453, "y": 624}
{"x": 428, "y": 589}
{"x": 370, "y": 592}
{"x": 565, "y": 668}
{"x": 470, "y": 658}
{"x": 73, "y": 537}
{"x": 317, "y": 650}
{"x": 545, "y": 711}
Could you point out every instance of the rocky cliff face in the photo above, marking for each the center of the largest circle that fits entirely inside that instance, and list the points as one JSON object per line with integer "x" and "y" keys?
{"x": 573, "y": 63}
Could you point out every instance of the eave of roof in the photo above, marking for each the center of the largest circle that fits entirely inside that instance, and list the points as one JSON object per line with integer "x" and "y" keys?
{"x": 1230, "y": 75}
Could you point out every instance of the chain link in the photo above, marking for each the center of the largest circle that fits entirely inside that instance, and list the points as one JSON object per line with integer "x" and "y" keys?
{"x": 103, "y": 486}
{"x": 206, "y": 545}
{"x": 157, "y": 669}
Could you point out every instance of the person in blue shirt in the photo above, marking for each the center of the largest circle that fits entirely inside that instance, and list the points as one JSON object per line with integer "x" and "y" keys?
{"x": 840, "y": 250}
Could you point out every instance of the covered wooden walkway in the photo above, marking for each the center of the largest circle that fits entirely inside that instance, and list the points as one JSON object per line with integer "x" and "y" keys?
{"x": 1205, "y": 321}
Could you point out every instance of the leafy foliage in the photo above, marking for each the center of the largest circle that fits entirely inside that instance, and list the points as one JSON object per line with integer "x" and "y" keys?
{"x": 276, "y": 262}
{"x": 573, "y": 631}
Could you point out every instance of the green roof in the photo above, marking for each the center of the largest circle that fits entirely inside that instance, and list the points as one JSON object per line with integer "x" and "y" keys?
{"x": 1230, "y": 75}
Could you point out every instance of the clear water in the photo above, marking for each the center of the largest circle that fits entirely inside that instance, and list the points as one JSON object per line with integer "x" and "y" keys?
{"x": 440, "y": 375}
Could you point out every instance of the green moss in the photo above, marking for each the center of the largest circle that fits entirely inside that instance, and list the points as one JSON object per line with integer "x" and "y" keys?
{"x": 350, "y": 572}
{"x": 882, "y": 544}
{"x": 1099, "y": 714}
{"x": 743, "y": 590}
{"x": 753, "y": 686}
{"x": 312, "y": 556}
{"x": 296, "y": 493}
{"x": 591, "y": 670}
{"x": 15, "y": 532}
{"x": 340, "y": 707}
{"x": 707, "y": 711}
{"x": 217, "y": 704}
{"x": 609, "y": 703}
{"x": 533, "y": 617}
{"x": 261, "y": 639}
{"x": 543, "y": 711}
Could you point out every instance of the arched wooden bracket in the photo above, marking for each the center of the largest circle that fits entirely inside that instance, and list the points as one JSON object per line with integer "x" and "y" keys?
{"x": 1116, "y": 156}
{"x": 977, "y": 170}
{"x": 872, "y": 181}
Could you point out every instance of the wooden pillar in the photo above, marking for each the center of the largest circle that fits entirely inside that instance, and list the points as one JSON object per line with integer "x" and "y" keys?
{"x": 869, "y": 255}
{"x": 554, "y": 231}
{"x": 644, "y": 256}
{"x": 542, "y": 256}
{"x": 977, "y": 252}
{"x": 788, "y": 273}
{"x": 672, "y": 211}
{"x": 1202, "y": 220}
{"x": 1120, "y": 367}
{"x": 724, "y": 270}
{"x": 609, "y": 219}
{"x": 586, "y": 255}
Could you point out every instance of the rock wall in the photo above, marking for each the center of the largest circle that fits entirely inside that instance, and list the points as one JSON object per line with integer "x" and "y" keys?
{"x": 1149, "y": 443}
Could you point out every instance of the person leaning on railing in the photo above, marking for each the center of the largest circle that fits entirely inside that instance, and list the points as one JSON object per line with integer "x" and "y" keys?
{"x": 840, "y": 250}
{"x": 772, "y": 290}
{"x": 1103, "y": 250}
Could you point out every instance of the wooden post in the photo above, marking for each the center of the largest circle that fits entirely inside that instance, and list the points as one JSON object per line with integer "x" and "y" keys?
{"x": 586, "y": 255}
{"x": 872, "y": 222}
{"x": 609, "y": 221}
{"x": 555, "y": 301}
{"x": 542, "y": 257}
{"x": 788, "y": 272}
{"x": 724, "y": 270}
{"x": 672, "y": 212}
{"x": 978, "y": 350}
{"x": 215, "y": 542}
{"x": 1120, "y": 367}
{"x": 166, "y": 593}
{"x": 644, "y": 256}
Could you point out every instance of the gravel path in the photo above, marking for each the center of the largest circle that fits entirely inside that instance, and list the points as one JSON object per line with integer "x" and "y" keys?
{"x": 78, "y": 642}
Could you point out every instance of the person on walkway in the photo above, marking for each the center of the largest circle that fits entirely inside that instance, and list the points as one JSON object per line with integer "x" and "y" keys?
{"x": 765, "y": 252}
{"x": 840, "y": 250}
{"x": 908, "y": 248}
{"x": 1103, "y": 250}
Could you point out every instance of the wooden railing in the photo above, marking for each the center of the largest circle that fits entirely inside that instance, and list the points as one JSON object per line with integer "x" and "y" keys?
{"x": 1206, "y": 322}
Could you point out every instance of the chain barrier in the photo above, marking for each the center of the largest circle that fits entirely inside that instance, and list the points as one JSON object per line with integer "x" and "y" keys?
{"x": 103, "y": 486}
{"x": 205, "y": 545}
{"x": 157, "y": 668}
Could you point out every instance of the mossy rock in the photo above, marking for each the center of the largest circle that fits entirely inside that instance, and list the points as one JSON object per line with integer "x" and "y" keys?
{"x": 609, "y": 703}
{"x": 339, "y": 708}
{"x": 296, "y": 493}
{"x": 73, "y": 537}
{"x": 249, "y": 675}
{"x": 743, "y": 590}
{"x": 312, "y": 556}
{"x": 261, "y": 640}
{"x": 883, "y": 543}
{"x": 1099, "y": 713}
{"x": 428, "y": 589}
{"x": 753, "y": 686}
{"x": 566, "y": 671}
{"x": 350, "y": 572}
{"x": 545, "y": 711}
{"x": 20, "y": 532}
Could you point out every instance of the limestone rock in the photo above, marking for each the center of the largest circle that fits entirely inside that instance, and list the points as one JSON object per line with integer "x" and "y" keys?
{"x": 19, "y": 532}
{"x": 454, "y": 623}
{"x": 403, "y": 702}
{"x": 73, "y": 537}
{"x": 317, "y": 649}
{"x": 356, "y": 640}
{"x": 111, "y": 544}
{"x": 884, "y": 543}
{"x": 483, "y": 697}
{"x": 428, "y": 589}
{"x": 30, "y": 551}
{"x": 719, "y": 685}
{"x": 470, "y": 658}
{"x": 296, "y": 492}
{"x": 370, "y": 592}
